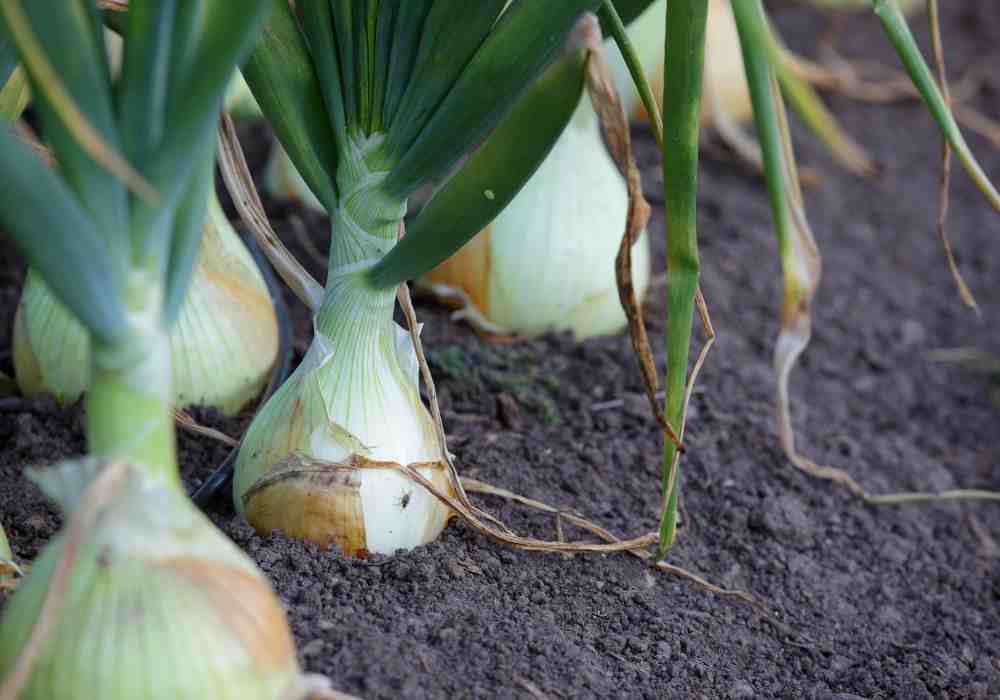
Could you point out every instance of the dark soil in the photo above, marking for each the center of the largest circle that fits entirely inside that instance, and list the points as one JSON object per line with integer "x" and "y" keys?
{"x": 888, "y": 602}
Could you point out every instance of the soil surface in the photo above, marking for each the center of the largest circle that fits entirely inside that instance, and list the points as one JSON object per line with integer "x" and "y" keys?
{"x": 872, "y": 602}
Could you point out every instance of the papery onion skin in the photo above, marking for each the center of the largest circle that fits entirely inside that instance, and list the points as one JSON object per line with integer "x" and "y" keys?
{"x": 159, "y": 605}
{"x": 547, "y": 261}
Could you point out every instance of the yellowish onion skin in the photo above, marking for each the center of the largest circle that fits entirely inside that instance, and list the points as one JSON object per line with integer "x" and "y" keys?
{"x": 320, "y": 460}
{"x": 159, "y": 605}
{"x": 223, "y": 346}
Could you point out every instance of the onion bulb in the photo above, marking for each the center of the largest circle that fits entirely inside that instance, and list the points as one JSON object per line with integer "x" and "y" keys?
{"x": 317, "y": 460}
{"x": 547, "y": 261}
{"x": 157, "y": 603}
{"x": 724, "y": 78}
{"x": 223, "y": 345}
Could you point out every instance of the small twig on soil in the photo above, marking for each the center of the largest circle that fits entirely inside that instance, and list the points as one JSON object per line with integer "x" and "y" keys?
{"x": 186, "y": 421}
{"x": 532, "y": 689}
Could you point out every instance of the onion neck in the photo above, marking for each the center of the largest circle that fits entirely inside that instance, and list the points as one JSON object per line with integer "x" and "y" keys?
{"x": 129, "y": 413}
{"x": 365, "y": 227}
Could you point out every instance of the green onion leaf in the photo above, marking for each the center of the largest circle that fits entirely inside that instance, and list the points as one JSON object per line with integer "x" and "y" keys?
{"x": 523, "y": 41}
{"x": 683, "y": 68}
{"x": 491, "y": 178}
{"x": 898, "y": 31}
{"x": 446, "y": 47}
{"x": 281, "y": 76}
{"x": 60, "y": 240}
{"x": 74, "y": 49}
{"x": 405, "y": 44}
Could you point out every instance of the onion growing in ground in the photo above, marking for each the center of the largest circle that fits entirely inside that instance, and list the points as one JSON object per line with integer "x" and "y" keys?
{"x": 724, "y": 78}
{"x": 322, "y": 458}
{"x": 146, "y": 600}
{"x": 547, "y": 261}
{"x": 222, "y": 348}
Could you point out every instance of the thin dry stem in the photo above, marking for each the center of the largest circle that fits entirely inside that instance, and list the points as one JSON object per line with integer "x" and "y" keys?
{"x": 963, "y": 290}
{"x": 614, "y": 122}
{"x": 239, "y": 182}
{"x": 185, "y": 421}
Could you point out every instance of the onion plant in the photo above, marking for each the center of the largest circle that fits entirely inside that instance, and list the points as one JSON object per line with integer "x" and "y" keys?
{"x": 372, "y": 101}
{"x": 113, "y": 231}
{"x": 222, "y": 347}
{"x": 685, "y": 31}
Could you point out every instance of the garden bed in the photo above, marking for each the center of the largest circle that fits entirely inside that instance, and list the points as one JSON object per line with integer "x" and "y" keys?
{"x": 893, "y": 602}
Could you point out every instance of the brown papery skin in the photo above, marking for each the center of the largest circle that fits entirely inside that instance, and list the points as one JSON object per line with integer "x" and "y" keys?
{"x": 321, "y": 504}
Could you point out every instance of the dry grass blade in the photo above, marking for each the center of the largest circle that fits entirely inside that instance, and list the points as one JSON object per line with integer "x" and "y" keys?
{"x": 240, "y": 185}
{"x": 33, "y": 56}
{"x": 95, "y": 498}
{"x": 614, "y": 122}
{"x": 963, "y": 289}
{"x": 188, "y": 423}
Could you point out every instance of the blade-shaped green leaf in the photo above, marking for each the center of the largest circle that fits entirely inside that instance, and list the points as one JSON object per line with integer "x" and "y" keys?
{"x": 281, "y": 76}
{"x": 491, "y": 178}
{"x": 189, "y": 220}
{"x": 382, "y": 49}
{"x": 74, "y": 47}
{"x": 365, "y": 28}
{"x": 405, "y": 45}
{"x": 59, "y": 239}
{"x": 14, "y": 96}
{"x": 683, "y": 69}
{"x": 317, "y": 26}
{"x": 898, "y": 31}
{"x": 524, "y": 40}
{"x": 627, "y": 10}
{"x": 758, "y": 67}
{"x": 8, "y": 59}
{"x": 218, "y": 35}
{"x": 452, "y": 33}
{"x": 142, "y": 89}
{"x": 344, "y": 41}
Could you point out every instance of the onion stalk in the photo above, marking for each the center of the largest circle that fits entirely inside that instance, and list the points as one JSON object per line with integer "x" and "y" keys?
{"x": 139, "y": 596}
{"x": 222, "y": 347}
{"x": 353, "y": 402}
{"x": 547, "y": 261}
{"x": 411, "y": 90}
